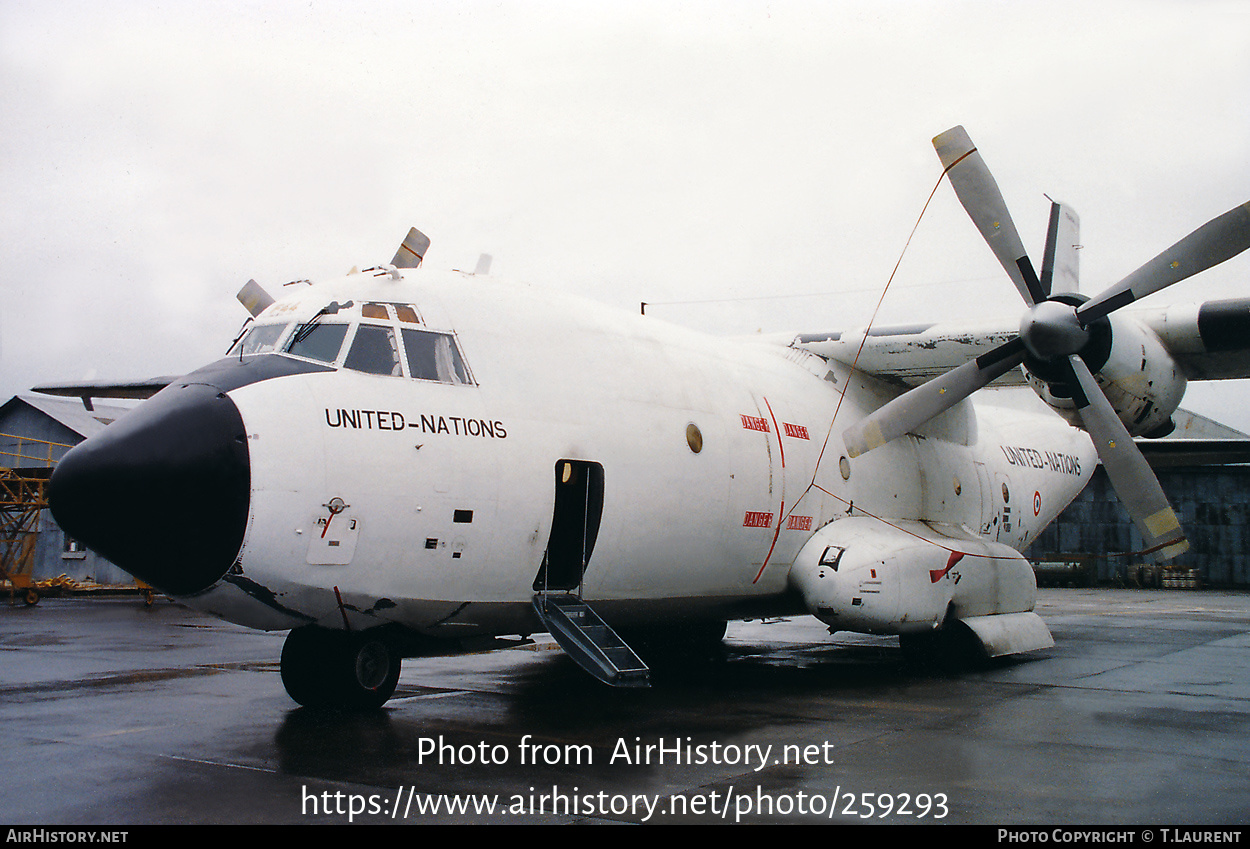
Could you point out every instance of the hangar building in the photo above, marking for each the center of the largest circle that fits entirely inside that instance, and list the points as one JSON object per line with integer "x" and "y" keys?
{"x": 1204, "y": 469}
{"x": 35, "y": 432}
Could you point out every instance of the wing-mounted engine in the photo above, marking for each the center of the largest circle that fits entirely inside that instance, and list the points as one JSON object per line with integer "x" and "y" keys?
{"x": 912, "y": 579}
{"x": 1139, "y": 378}
{"x": 1061, "y": 338}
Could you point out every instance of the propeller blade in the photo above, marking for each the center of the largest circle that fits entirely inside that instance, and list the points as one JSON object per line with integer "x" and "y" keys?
{"x": 254, "y": 297}
{"x": 1219, "y": 239}
{"x": 916, "y": 406}
{"x": 1060, "y": 265}
{"x": 977, "y": 191}
{"x": 1130, "y": 475}
{"x": 411, "y": 250}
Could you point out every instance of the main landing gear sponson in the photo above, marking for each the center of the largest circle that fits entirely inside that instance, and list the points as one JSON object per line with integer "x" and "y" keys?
{"x": 341, "y": 669}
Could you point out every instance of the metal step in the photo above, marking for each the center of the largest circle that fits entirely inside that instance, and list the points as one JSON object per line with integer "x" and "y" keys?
{"x": 590, "y": 642}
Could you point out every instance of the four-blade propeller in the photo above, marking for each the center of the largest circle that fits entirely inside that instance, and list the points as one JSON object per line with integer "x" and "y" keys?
{"x": 1053, "y": 334}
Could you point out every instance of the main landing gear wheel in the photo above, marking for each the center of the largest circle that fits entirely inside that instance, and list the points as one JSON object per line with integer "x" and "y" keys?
{"x": 340, "y": 669}
{"x": 676, "y": 646}
{"x": 953, "y": 648}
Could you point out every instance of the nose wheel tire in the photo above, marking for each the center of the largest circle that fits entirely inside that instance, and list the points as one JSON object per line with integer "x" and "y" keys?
{"x": 339, "y": 669}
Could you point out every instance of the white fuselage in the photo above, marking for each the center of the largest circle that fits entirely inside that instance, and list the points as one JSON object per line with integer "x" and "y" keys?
{"x": 445, "y": 491}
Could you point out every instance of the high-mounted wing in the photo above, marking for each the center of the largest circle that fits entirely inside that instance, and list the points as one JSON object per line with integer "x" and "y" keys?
{"x": 912, "y": 354}
{"x": 1208, "y": 341}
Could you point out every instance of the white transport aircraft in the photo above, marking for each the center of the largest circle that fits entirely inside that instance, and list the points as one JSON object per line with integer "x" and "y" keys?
{"x": 406, "y": 455}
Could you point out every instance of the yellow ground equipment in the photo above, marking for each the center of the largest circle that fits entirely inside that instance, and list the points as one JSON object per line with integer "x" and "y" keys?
{"x": 25, "y": 467}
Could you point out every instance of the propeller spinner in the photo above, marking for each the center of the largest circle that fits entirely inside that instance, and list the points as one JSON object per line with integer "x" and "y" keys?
{"x": 1057, "y": 336}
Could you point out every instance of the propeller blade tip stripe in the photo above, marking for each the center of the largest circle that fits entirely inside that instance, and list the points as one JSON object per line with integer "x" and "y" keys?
{"x": 1177, "y": 549}
{"x": 953, "y": 146}
{"x": 873, "y": 437}
{"x": 862, "y": 438}
{"x": 1162, "y": 523}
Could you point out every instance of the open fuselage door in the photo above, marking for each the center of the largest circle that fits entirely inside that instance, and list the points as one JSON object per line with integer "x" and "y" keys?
{"x": 580, "y": 632}
{"x": 574, "y": 526}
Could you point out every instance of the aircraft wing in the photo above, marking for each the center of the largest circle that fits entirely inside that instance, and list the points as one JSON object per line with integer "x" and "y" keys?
{"x": 86, "y": 390}
{"x": 912, "y": 354}
{"x": 1208, "y": 341}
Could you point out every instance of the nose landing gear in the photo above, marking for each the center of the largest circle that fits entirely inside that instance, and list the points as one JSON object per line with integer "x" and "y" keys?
{"x": 339, "y": 669}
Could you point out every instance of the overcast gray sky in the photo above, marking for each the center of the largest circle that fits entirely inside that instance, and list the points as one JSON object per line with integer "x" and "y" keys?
{"x": 154, "y": 156}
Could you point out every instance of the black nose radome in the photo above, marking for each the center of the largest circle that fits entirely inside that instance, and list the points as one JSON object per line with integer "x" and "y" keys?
{"x": 162, "y": 492}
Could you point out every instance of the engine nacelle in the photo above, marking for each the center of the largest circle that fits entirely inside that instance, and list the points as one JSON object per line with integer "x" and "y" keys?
{"x": 1139, "y": 378}
{"x": 861, "y": 574}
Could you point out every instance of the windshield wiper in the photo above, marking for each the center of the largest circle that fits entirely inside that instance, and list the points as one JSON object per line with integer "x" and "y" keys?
{"x": 304, "y": 329}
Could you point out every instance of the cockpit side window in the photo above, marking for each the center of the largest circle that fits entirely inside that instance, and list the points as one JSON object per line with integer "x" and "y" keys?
{"x": 374, "y": 351}
{"x": 434, "y": 356}
{"x": 262, "y": 339}
{"x": 318, "y": 341}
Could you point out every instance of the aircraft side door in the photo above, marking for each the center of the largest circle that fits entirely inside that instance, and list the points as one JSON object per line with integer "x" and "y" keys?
{"x": 575, "y": 522}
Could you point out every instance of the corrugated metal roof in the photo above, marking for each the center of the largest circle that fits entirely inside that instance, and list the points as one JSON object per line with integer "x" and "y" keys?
{"x": 71, "y": 412}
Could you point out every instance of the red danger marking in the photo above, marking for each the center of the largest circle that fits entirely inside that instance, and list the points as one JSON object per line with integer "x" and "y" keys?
{"x": 755, "y": 423}
{"x": 757, "y": 520}
{"x": 797, "y": 431}
{"x": 799, "y": 523}
{"x": 936, "y": 575}
{"x": 1037, "y": 504}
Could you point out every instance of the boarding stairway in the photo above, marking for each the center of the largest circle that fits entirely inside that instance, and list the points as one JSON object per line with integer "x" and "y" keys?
{"x": 587, "y": 639}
